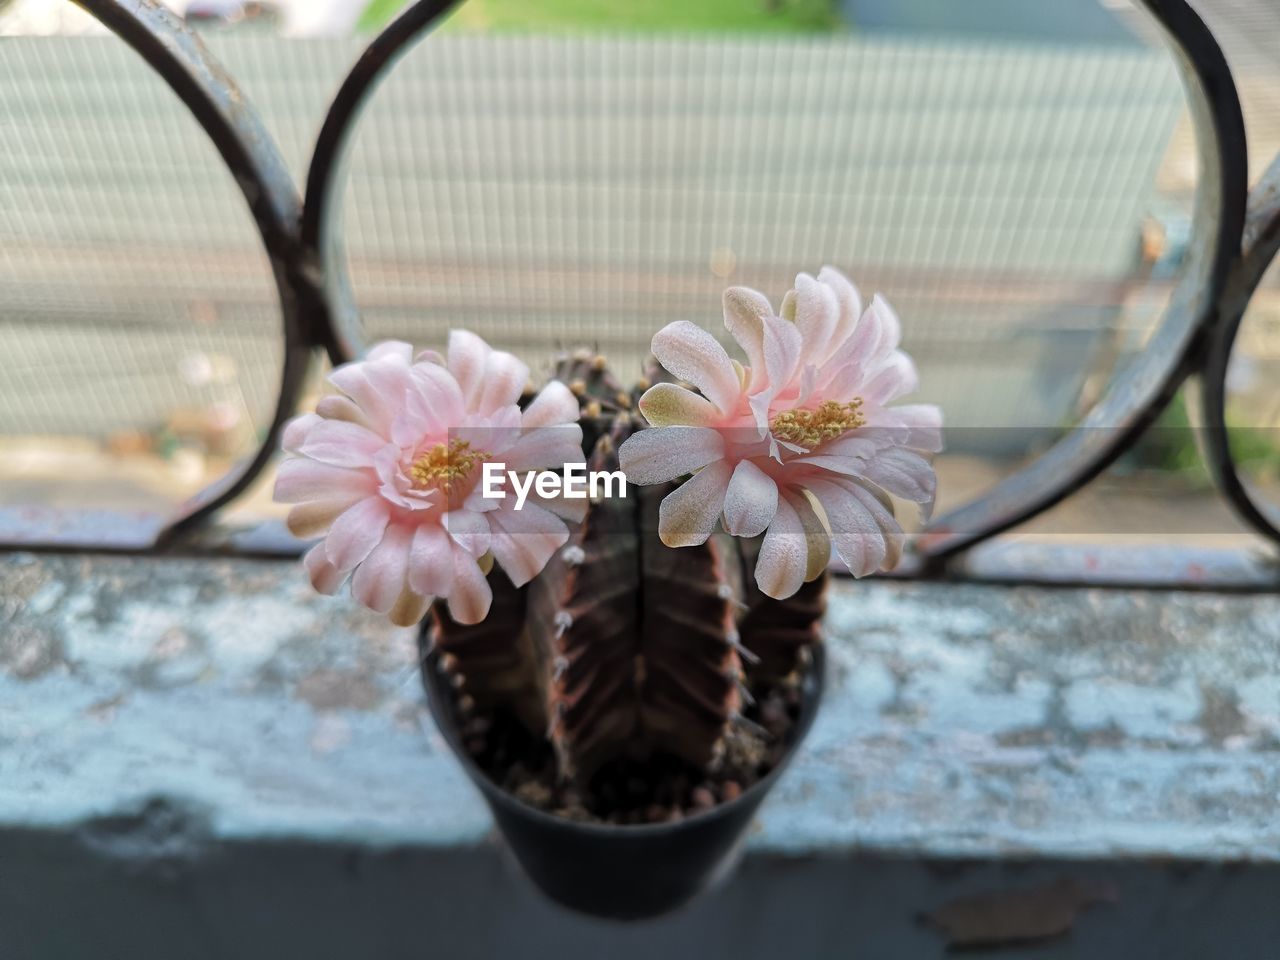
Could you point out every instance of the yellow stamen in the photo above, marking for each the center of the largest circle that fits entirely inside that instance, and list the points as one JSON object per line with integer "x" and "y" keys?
{"x": 810, "y": 428}
{"x": 444, "y": 465}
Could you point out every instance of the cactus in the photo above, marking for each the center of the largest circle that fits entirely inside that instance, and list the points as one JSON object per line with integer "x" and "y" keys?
{"x": 624, "y": 647}
{"x": 609, "y": 646}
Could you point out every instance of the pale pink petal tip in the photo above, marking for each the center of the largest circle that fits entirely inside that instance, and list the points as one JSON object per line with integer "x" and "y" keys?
{"x": 691, "y": 353}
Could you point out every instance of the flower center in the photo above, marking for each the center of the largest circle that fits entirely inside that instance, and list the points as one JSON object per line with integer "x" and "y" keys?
{"x": 445, "y": 464}
{"x": 811, "y": 428}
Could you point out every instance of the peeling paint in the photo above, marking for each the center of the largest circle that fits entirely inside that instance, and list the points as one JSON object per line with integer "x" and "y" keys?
{"x": 1017, "y": 917}
{"x": 960, "y": 721}
{"x": 161, "y": 835}
{"x": 339, "y": 690}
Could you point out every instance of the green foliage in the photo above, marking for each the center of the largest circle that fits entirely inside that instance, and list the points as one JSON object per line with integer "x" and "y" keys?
{"x": 378, "y": 14}
{"x": 605, "y": 16}
{"x": 1255, "y": 449}
{"x": 649, "y": 16}
{"x": 1169, "y": 445}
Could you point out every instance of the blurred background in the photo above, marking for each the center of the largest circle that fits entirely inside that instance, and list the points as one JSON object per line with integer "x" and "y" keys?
{"x": 1015, "y": 178}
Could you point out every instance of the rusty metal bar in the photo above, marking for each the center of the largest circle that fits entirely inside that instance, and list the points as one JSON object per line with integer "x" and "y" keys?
{"x": 1260, "y": 244}
{"x": 326, "y": 178}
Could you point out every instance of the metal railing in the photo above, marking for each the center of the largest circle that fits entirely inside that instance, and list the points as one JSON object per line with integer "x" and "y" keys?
{"x": 1235, "y": 235}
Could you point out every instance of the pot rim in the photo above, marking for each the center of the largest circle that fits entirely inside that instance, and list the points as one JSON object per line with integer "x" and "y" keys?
{"x": 813, "y": 686}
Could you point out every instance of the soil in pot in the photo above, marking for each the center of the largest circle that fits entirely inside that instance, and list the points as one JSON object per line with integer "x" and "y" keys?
{"x": 659, "y": 788}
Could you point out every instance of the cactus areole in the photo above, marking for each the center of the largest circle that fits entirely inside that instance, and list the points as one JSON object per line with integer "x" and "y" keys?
{"x": 620, "y": 587}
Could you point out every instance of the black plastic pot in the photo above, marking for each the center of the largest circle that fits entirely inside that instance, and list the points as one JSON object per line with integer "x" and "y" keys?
{"x": 621, "y": 872}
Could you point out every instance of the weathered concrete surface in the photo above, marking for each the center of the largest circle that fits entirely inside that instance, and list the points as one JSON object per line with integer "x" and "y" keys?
{"x": 202, "y": 758}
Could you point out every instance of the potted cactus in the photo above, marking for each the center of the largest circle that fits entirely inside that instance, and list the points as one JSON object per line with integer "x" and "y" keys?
{"x": 624, "y": 668}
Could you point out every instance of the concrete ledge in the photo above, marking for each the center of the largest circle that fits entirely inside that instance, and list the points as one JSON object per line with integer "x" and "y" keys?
{"x": 201, "y": 758}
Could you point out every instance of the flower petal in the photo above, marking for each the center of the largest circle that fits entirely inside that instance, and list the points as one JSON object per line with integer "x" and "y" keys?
{"x": 669, "y": 404}
{"x": 297, "y": 430}
{"x": 380, "y": 579}
{"x": 342, "y": 444}
{"x": 324, "y": 576}
{"x": 691, "y": 353}
{"x": 468, "y": 355}
{"x": 850, "y": 303}
{"x": 896, "y": 377}
{"x": 750, "y": 502}
{"x": 808, "y": 380}
{"x": 861, "y": 350}
{"x": 545, "y": 448}
{"x": 391, "y": 349}
{"x": 904, "y": 474}
{"x": 890, "y": 328}
{"x": 431, "y": 561}
{"x": 493, "y": 433}
{"x": 477, "y": 502}
{"x": 841, "y": 385}
{"x": 660, "y": 454}
{"x": 817, "y": 313}
{"x": 299, "y": 480}
{"x": 378, "y": 386}
{"x": 817, "y": 540}
{"x": 783, "y": 349}
{"x": 313, "y": 518}
{"x": 441, "y": 393}
{"x": 850, "y": 445}
{"x": 505, "y": 377}
{"x": 432, "y": 406}
{"x": 470, "y": 597}
{"x": 352, "y": 379}
{"x": 894, "y": 538}
{"x": 354, "y": 534}
{"x": 409, "y": 608}
{"x": 784, "y": 553}
{"x": 337, "y": 407}
{"x": 745, "y": 311}
{"x": 759, "y": 404}
{"x": 554, "y": 404}
{"x": 688, "y": 516}
{"x": 468, "y": 530}
{"x": 525, "y": 540}
{"x": 574, "y": 509}
{"x": 782, "y": 353}
{"x": 916, "y": 426}
{"x": 855, "y": 534}
{"x": 847, "y": 466}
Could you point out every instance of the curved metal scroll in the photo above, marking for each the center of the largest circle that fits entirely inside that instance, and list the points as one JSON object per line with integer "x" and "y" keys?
{"x": 1259, "y": 248}
{"x": 321, "y": 217}
{"x": 209, "y": 92}
{"x": 1138, "y": 394}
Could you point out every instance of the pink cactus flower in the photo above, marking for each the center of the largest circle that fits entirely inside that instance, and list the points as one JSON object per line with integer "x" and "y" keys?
{"x": 389, "y": 472}
{"x": 801, "y": 444}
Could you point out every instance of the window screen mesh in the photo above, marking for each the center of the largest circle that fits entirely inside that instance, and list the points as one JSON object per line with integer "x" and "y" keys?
{"x": 550, "y": 191}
